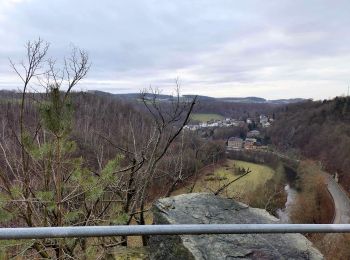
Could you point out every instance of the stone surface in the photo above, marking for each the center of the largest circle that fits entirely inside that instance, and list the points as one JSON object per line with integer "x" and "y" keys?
{"x": 202, "y": 208}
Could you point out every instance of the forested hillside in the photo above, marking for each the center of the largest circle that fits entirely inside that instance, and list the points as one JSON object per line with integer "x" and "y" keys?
{"x": 318, "y": 130}
{"x": 234, "y": 110}
{"x": 90, "y": 160}
{"x": 104, "y": 126}
{"x": 240, "y": 108}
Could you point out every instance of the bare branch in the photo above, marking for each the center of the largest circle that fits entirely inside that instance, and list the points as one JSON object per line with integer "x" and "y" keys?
{"x": 228, "y": 184}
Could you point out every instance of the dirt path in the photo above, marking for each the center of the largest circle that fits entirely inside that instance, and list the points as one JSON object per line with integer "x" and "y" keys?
{"x": 341, "y": 201}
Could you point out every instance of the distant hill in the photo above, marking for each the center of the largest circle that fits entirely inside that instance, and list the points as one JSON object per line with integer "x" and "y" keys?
{"x": 200, "y": 98}
{"x": 287, "y": 101}
{"x": 247, "y": 100}
{"x": 261, "y": 100}
{"x": 244, "y": 99}
{"x": 130, "y": 95}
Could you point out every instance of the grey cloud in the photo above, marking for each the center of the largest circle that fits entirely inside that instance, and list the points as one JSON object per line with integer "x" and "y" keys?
{"x": 240, "y": 47}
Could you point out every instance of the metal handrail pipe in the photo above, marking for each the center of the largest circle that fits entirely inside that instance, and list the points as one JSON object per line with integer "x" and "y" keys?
{"x": 183, "y": 229}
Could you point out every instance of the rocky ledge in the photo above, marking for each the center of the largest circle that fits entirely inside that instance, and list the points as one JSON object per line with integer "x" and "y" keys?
{"x": 203, "y": 208}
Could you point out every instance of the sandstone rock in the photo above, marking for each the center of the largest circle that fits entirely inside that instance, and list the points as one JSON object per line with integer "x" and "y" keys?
{"x": 202, "y": 208}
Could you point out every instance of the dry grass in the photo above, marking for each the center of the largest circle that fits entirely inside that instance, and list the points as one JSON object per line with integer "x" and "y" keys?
{"x": 213, "y": 180}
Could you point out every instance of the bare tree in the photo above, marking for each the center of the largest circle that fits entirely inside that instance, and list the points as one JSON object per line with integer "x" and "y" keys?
{"x": 46, "y": 184}
{"x": 168, "y": 121}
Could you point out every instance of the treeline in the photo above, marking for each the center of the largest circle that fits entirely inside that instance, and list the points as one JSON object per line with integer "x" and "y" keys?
{"x": 258, "y": 157}
{"x": 317, "y": 130}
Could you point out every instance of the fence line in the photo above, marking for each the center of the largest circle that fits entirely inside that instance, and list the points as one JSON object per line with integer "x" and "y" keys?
{"x": 189, "y": 229}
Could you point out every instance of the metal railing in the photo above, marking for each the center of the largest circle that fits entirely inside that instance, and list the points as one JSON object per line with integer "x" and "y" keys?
{"x": 190, "y": 229}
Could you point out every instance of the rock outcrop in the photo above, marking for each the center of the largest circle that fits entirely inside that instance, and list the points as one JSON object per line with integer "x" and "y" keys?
{"x": 202, "y": 208}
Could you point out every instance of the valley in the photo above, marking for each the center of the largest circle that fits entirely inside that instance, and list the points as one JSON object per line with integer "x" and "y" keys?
{"x": 231, "y": 155}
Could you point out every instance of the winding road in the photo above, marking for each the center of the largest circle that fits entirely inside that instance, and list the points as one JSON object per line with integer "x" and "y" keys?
{"x": 340, "y": 197}
{"x": 341, "y": 201}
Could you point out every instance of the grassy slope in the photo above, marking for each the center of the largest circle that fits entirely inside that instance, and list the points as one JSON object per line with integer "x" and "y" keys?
{"x": 259, "y": 175}
{"x": 205, "y": 117}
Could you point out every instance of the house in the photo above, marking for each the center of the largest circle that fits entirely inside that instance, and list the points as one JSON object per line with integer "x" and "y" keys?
{"x": 250, "y": 143}
{"x": 253, "y": 133}
{"x": 266, "y": 124}
{"x": 191, "y": 127}
{"x": 263, "y": 119}
{"x": 234, "y": 143}
{"x": 234, "y": 123}
{"x": 215, "y": 124}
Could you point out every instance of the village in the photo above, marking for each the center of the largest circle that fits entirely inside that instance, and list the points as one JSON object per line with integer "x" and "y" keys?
{"x": 265, "y": 122}
{"x": 252, "y": 139}
{"x": 249, "y": 143}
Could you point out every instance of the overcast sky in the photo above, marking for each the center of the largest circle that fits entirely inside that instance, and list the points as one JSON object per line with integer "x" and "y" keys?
{"x": 271, "y": 49}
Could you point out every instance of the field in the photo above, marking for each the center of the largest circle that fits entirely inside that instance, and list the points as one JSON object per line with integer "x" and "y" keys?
{"x": 205, "y": 117}
{"x": 213, "y": 180}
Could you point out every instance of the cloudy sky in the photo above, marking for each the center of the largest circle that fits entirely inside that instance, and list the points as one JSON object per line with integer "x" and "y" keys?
{"x": 272, "y": 49}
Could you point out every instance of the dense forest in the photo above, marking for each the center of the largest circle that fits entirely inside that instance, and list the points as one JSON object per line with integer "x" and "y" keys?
{"x": 317, "y": 130}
